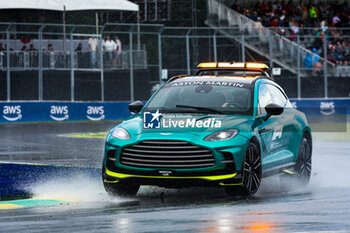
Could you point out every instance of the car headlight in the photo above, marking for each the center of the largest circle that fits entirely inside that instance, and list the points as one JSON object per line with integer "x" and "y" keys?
{"x": 222, "y": 135}
{"x": 121, "y": 133}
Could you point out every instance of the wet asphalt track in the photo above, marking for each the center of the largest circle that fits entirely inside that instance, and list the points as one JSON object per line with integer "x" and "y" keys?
{"x": 323, "y": 206}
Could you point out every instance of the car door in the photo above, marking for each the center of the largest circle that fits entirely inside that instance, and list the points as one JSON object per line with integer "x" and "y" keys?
{"x": 271, "y": 130}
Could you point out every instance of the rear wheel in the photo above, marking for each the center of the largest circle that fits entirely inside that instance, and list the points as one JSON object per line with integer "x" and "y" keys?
{"x": 251, "y": 173}
{"x": 303, "y": 163}
{"x": 117, "y": 189}
{"x": 302, "y": 166}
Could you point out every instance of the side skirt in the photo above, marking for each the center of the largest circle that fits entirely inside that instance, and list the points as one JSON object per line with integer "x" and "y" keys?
{"x": 280, "y": 170}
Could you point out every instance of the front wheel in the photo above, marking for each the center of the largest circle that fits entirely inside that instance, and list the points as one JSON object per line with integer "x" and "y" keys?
{"x": 117, "y": 189}
{"x": 251, "y": 173}
{"x": 124, "y": 190}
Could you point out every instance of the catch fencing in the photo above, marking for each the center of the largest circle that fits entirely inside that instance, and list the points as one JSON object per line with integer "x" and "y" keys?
{"x": 57, "y": 64}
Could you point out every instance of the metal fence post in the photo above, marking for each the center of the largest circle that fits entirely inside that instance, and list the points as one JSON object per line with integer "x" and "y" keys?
{"x": 325, "y": 70}
{"x": 71, "y": 67}
{"x": 100, "y": 46}
{"x": 41, "y": 62}
{"x": 243, "y": 49}
{"x": 298, "y": 68}
{"x": 8, "y": 73}
{"x": 160, "y": 55}
{"x": 131, "y": 66}
{"x": 188, "y": 52}
{"x": 270, "y": 50}
{"x": 215, "y": 48}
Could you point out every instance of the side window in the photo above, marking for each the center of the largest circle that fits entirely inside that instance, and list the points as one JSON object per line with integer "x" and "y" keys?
{"x": 265, "y": 98}
{"x": 269, "y": 94}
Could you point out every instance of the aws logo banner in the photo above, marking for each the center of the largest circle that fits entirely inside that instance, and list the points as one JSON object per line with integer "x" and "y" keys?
{"x": 12, "y": 112}
{"x": 95, "y": 113}
{"x": 59, "y": 112}
{"x": 327, "y": 108}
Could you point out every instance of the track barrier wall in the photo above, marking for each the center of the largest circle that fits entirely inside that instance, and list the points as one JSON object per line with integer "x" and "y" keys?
{"x": 62, "y": 111}
{"x": 95, "y": 111}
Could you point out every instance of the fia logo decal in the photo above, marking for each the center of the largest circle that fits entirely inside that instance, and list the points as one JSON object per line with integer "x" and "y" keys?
{"x": 277, "y": 132}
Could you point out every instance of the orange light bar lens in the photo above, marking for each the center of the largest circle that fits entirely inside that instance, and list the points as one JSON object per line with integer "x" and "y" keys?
{"x": 257, "y": 66}
{"x": 207, "y": 65}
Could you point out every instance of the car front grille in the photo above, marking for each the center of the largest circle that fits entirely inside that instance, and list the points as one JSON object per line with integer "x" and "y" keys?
{"x": 166, "y": 154}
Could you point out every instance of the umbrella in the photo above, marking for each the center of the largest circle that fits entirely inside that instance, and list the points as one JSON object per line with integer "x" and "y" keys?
{"x": 69, "y": 5}
{"x": 31, "y": 4}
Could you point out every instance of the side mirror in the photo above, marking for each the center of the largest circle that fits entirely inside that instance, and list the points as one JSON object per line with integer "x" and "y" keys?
{"x": 136, "y": 106}
{"x": 273, "y": 109}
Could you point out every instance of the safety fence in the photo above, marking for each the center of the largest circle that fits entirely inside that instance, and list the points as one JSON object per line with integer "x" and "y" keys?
{"x": 61, "y": 60}
{"x": 150, "y": 54}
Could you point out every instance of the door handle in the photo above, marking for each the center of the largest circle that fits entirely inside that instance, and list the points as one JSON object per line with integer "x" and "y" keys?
{"x": 264, "y": 130}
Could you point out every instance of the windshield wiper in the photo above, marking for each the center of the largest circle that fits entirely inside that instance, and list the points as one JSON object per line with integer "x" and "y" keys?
{"x": 200, "y": 108}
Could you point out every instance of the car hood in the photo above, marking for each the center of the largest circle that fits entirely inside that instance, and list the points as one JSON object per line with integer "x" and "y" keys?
{"x": 210, "y": 123}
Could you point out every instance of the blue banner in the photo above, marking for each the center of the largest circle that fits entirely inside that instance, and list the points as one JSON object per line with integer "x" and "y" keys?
{"x": 62, "y": 111}
{"x": 96, "y": 111}
{"x": 322, "y": 107}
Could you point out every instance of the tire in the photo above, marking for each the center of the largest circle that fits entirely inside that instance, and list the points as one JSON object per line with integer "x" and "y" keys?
{"x": 251, "y": 173}
{"x": 117, "y": 189}
{"x": 123, "y": 190}
{"x": 304, "y": 162}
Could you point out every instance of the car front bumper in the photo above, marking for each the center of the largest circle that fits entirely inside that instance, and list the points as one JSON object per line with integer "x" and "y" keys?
{"x": 228, "y": 155}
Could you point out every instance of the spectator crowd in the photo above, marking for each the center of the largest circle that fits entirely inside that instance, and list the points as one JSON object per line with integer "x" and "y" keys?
{"x": 312, "y": 22}
{"x": 112, "y": 50}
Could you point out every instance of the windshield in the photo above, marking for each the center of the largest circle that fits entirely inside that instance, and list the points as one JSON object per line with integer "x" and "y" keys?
{"x": 218, "y": 97}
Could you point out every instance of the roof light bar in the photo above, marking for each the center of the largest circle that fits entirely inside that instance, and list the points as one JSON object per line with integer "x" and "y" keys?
{"x": 228, "y": 65}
